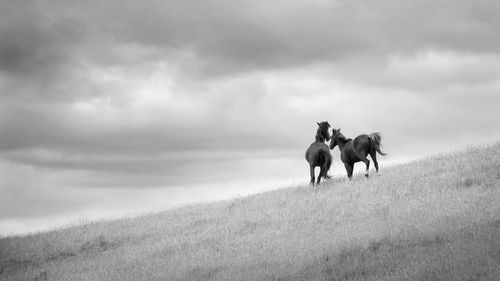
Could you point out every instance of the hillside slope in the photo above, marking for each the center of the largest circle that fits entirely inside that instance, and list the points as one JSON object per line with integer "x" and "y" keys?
{"x": 433, "y": 219}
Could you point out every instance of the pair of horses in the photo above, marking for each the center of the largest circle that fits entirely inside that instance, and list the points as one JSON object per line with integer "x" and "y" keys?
{"x": 351, "y": 151}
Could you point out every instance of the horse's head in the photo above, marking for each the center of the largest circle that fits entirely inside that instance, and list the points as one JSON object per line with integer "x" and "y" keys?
{"x": 335, "y": 135}
{"x": 323, "y": 132}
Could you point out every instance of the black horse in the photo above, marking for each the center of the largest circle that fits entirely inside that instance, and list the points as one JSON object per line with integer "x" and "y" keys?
{"x": 318, "y": 153}
{"x": 352, "y": 151}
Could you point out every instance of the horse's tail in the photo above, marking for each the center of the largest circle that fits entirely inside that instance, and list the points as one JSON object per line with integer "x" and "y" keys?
{"x": 325, "y": 158}
{"x": 376, "y": 139}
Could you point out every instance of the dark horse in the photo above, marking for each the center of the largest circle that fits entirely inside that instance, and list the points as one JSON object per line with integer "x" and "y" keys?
{"x": 352, "y": 151}
{"x": 318, "y": 153}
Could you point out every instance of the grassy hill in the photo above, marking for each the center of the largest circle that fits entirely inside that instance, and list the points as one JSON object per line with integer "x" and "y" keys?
{"x": 433, "y": 219}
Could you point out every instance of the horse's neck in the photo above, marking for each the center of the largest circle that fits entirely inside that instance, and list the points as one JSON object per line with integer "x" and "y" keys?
{"x": 320, "y": 138}
{"x": 342, "y": 142}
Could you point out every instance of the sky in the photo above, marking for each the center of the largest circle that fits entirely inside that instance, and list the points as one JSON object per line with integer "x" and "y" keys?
{"x": 116, "y": 107}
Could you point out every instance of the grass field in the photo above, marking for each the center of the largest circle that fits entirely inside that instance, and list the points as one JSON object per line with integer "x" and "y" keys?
{"x": 432, "y": 219}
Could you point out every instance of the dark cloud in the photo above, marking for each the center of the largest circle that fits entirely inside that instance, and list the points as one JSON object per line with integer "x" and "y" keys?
{"x": 249, "y": 35}
{"x": 216, "y": 37}
{"x": 37, "y": 51}
{"x": 53, "y": 126}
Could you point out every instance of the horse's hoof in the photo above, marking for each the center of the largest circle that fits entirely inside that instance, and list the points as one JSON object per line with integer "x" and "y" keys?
{"x": 366, "y": 175}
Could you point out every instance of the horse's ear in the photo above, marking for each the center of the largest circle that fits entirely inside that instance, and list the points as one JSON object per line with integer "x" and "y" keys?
{"x": 328, "y": 124}
{"x": 317, "y": 123}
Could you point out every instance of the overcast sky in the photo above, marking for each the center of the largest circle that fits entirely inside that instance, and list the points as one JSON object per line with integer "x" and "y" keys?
{"x": 109, "y": 107}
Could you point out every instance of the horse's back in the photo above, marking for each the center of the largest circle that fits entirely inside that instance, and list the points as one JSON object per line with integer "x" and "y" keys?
{"x": 316, "y": 146}
{"x": 361, "y": 139}
{"x": 313, "y": 152}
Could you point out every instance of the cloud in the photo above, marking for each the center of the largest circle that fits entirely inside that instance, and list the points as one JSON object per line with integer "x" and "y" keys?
{"x": 65, "y": 50}
{"x": 248, "y": 35}
{"x": 219, "y": 38}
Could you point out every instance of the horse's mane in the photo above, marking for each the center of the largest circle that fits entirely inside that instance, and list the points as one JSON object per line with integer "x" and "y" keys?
{"x": 339, "y": 135}
{"x": 319, "y": 138}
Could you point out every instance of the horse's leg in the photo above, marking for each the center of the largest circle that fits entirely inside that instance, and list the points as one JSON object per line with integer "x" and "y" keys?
{"x": 324, "y": 168}
{"x": 373, "y": 155}
{"x": 311, "y": 169}
{"x": 349, "y": 168}
{"x": 318, "y": 180}
{"x": 367, "y": 163}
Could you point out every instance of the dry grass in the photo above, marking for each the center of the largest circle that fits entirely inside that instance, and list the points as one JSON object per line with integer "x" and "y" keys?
{"x": 434, "y": 219}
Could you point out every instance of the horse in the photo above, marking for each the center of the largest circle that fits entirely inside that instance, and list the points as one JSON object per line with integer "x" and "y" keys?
{"x": 352, "y": 151}
{"x": 318, "y": 153}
